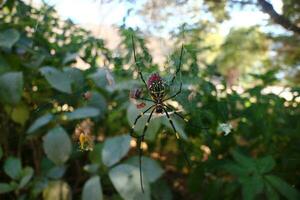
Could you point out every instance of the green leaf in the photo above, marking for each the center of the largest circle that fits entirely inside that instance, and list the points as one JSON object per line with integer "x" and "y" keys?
{"x": 81, "y": 113}
{"x": 97, "y": 101}
{"x": 100, "y": 78}
{"x": 56, "y": 172}
{"x": 8, "y": 38}
{"x": 39, "y": 122}
{"x": 265, "y": 164}
{"x": 11, "y": 87}
{"x": 115, "y": 149}
{"x": 20, "y": 114}
{"x": 70, "y": 57}
{"x": 57, "y": 145}
{"x": 252, "y": 186}
{"x": 178, "y": 127}
{"x": 271, "y": 194}
{"x": 150, "y": 167}
{"x": 5, "y": 188}
{"x": 161, "y": 190}
{"x": 57, "y": 79}
{"x": 235, "y": 169}
{"x": 57, "y": 190}
{"x": 27, "y": 174}
{"x": 76, "y": 77}
{"x": 91, "y": 168}
{"x": 92, "y": 189}
{"x": 126, "y": 180}
{"x": 153, "y": 127}
{"x": 283, "y": 187}
{"x": 95, "y": 155}
{"x": 13, "y": 167}
{"x": 244, "y": 161}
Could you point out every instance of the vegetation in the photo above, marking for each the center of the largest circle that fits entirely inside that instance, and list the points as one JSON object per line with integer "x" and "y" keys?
{"x": 47, "y": 101}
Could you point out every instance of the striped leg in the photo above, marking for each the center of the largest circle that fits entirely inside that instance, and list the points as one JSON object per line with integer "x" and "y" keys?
{"x": 177, "y": 93}
{"x": 136, "y": 63}
{"x": 179, "y": 66}
{"x": 136, "y": 120}
{"x": 176, "y": 73}
{"x": 185, "y": 119}
{"x": 178, "y": 138}
{"x": 140, "y": 139}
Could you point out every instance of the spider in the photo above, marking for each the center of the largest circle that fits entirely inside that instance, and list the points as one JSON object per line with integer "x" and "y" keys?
{"x": 156, "y": 88}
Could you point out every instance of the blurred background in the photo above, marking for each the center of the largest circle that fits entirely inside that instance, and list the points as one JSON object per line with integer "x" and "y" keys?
{"x": 66, "y": 71}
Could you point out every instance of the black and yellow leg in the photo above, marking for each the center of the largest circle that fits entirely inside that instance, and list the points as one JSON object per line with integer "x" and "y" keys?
{"x": 137, "y": 64}
{"x": 136, "y": 120}
{"x": 185, "y": 119}
{"x": 177, "y": 93}
{"x": 178, "y": 138}
{"x": 179, "y": 65}
{"x": 140, "y": 139}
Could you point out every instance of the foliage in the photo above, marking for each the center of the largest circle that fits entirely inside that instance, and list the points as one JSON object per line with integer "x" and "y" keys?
{"x": 44, "y": 103}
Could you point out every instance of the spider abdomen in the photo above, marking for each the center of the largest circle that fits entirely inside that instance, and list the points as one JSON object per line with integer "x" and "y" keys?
{"x": 156, "y": 86}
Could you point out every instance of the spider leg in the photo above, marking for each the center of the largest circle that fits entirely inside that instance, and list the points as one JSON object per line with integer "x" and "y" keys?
{"x": 177, "y": 93}
{"x": 140, "y": 139}
{"x": 179, "y": 66}
{"x": 145, "y": 99}
{"x": 182, "y": 117}
{"x": 173, "y": 78}
{"x": 137, "y": 64}
{"x": 136, "y": 120}
{"x": 178, "y": 138}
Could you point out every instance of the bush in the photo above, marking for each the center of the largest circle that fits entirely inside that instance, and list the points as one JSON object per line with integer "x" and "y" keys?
{"x": 46, "y": 103}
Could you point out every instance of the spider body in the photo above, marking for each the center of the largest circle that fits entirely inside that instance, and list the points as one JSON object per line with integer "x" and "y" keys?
{"x": 156, "y": 87}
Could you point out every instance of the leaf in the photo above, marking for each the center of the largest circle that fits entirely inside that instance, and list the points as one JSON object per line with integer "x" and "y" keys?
{"x": 57, "y": 145}
{"x": 76, "y": 77}
{"x": 11, "y": 87}
{"x": 81, "y": 113}
{"x": 91, "y": 168}
{"x": 283, "y": 187}
{"x": 56, "y": 172}
{"x": 265, "y": 164}
{"x": 70, "y": 57}
{"x": 27, "y": 174}
{"x": 271, "y": 194}
{"x": 57, "y": 79}
{"x": 92, "y": 189}
{"x": 8, "y": 38}
{"x": 115, "y": 149}
{"x": 235, "y": 169}
{"x": 5, "y": 188}
{"x": 95, "y": 155}
{"x": 178, "y": 127}
{"x": 161, "y": 190}
{"x": 150, "y": 167}
{"x": 13, "y": 167}
{"x": 20, "y": 114}
{"x": 252, "y": 186}
{"x": 39, "y": 122}
{"x": 153, "y": 127}
{"x": 97, "y": 101}
{"x": 99, "y": 78}
{"x": 57, "y": 190}
{"x": 244, "y": 161}
{"x": 126, "y": 180}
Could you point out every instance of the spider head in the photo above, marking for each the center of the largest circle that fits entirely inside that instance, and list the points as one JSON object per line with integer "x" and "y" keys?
{"x": 159, "y": 109}
{"x": 156, "y": 84}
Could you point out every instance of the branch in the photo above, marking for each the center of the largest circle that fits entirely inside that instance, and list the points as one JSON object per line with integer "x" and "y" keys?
{"x": 279, "y": 19}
